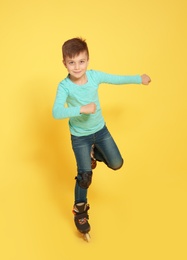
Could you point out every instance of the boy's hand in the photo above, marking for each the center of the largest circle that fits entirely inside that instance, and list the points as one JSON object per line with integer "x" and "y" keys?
{"x": 145, "y": 79}
{"x": 88, "y": 109}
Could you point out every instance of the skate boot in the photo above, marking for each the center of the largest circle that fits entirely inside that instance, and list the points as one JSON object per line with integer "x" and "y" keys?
{"x": 81, "y": 219}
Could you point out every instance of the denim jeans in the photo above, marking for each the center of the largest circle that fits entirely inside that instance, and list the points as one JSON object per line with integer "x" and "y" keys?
{"x": 105, "y": 150}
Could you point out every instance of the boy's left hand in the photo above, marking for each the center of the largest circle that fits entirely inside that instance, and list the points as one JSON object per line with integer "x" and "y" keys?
{"x": 145, "y": 79}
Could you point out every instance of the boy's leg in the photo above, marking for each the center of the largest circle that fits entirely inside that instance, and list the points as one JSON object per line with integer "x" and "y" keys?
{"x": 106, "y": 150}
{"x": 82, "y": 148}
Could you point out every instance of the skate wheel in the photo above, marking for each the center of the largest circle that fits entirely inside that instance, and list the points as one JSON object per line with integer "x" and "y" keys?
{"x": 87, "y": 237}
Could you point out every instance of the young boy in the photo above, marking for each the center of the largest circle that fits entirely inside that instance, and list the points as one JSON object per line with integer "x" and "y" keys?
{"x": 91, "y": 140}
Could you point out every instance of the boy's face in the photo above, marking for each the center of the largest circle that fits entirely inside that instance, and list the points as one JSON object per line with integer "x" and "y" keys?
{"x": 77, "y": 66}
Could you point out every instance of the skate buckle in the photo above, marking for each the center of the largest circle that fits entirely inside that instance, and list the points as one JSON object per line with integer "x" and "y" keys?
{"x": 82, "y": 221}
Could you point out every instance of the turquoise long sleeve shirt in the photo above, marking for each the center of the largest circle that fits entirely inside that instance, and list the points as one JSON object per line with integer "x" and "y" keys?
{"x": 70, "y": 97}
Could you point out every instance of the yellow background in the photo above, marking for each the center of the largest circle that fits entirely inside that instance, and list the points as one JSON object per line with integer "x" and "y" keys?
{"x": 138, "y": 212}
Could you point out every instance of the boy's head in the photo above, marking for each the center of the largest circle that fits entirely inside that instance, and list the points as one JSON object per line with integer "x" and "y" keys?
{"x": 74, "y": 47}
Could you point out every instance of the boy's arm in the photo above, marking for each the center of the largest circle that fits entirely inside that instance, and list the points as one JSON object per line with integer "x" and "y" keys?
{"x": 103, "y": 77}
{"x": 59, "y": 110}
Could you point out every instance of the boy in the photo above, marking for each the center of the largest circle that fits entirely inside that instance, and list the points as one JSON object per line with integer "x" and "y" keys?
{"x": 90, "y": 138}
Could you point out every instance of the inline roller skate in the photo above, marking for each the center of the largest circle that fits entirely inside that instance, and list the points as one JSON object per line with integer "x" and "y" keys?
{"x": 81, "y": 219}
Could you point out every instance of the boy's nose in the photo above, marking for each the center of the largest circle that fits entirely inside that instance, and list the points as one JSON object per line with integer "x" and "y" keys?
{"x": 76, "y": 66}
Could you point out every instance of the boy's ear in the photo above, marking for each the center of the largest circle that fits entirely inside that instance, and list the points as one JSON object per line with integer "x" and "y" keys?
{"x": 63, "y": 61}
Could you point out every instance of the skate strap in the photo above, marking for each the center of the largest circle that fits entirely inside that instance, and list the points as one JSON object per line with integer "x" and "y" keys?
{"x": 81, "y": 215}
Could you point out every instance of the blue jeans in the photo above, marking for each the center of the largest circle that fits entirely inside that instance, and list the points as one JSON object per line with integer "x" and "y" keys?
{"x": 105, "y": 150}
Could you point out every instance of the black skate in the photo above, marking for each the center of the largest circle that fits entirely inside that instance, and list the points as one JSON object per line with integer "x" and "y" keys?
{"x": 81, "y": 219}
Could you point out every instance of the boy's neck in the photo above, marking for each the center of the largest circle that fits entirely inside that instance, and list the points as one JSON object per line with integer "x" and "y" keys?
{"x": 79, "y": 81}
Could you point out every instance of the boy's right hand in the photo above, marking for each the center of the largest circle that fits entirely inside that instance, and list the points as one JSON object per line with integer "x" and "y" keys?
{"x": 88, "y": 109}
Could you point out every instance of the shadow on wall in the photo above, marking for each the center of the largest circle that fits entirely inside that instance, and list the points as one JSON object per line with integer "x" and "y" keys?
{"x": 49, "y": 143}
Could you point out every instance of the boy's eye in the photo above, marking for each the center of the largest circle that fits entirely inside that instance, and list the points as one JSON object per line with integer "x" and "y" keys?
{"x": 71, "y": 62}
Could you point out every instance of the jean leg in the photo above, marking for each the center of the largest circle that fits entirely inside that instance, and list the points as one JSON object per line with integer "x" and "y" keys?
{"x": 106, "y": 150}
{"x": 81, "y": 147}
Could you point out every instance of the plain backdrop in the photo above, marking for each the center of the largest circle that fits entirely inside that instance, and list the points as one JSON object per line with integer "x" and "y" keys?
{"x": 138, "y": 212}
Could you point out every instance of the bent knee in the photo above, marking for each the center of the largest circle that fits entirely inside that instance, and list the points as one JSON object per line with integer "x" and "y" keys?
{"x": 117, "y": 166}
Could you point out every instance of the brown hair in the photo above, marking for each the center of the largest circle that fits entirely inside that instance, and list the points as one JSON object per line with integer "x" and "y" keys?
{"x": 73, "y": 47}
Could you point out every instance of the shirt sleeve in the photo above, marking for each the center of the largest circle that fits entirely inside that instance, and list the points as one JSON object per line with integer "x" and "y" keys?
{"x": 103, "y": 77}
{"x": 60, "y": 111}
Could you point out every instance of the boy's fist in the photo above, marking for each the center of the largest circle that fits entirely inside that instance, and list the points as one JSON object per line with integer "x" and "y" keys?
{"x": 145, "y": 79}
{"x": 88, "y": 109}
